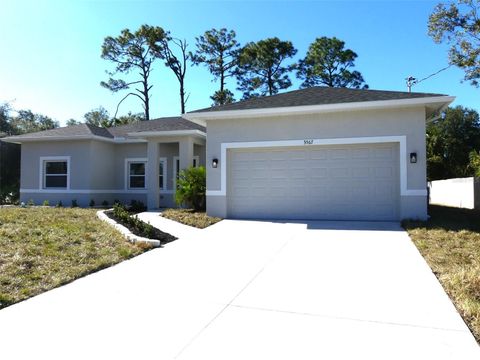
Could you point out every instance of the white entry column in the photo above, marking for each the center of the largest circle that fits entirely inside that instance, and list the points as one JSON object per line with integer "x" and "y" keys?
{"x": 186, "y": 152}
{"x": 153, "y": 191}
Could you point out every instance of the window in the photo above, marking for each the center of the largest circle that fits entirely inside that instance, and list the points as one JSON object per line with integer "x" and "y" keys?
{"x": 136, "y": 174}
{"x": 196, "y": 161}
{"x": 162, "y": 174}
{"x": 55, "y": 172}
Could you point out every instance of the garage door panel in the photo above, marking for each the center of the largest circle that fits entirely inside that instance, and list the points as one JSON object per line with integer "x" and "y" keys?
{"x": 341, "y": 182}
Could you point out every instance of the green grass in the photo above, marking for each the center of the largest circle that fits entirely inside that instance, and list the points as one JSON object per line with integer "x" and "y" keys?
{"x": 450, "y": 243}
{"x": 42, "y": 248}
{"x": 198, "y": 219}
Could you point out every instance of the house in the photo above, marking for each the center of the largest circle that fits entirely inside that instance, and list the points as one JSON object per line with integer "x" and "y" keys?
{"x": 316, "y": 153}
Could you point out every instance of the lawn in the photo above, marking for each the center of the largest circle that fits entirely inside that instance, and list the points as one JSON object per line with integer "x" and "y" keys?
{"x": 45, "y": 247}
{"x": 450, "y": 243}
{"x": 198, "y": 219}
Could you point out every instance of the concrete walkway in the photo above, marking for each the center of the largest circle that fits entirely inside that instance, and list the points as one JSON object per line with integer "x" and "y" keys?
{"x": 250, "y": 290}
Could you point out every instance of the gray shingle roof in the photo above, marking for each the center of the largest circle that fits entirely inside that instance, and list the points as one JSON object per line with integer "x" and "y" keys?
{"x": 316, "y": 96}
{"x": 162, "y": 124}
{"x": 85, "y": 130}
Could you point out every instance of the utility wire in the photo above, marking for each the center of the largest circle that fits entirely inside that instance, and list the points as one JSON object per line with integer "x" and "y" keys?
{"x": 414, "y": 81}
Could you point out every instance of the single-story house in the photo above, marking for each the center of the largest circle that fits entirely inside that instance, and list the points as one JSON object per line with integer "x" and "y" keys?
{"x": 316, "y": 153}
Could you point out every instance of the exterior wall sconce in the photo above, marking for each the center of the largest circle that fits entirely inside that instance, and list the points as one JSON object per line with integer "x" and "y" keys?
{"x": 413, "y": 157}
{"x": 215, "y": 163}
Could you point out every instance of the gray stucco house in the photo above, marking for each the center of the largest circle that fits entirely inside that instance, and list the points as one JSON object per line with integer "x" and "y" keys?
{"x": 316, "y": 153}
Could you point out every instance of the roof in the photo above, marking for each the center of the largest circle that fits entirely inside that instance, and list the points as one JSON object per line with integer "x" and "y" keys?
{"x": 86, "y": 131}
{"x": 319, "y": 95}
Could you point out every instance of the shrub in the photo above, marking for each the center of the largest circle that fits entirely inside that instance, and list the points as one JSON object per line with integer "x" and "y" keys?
{"x": 137, "y": 206}
{"x": 30, "y": 202}
{"x": 92, "y": 203}
{"x": 74, "y": 203}
{"x": 59, "y": 204}
{"x": 46, "y": 203}
{"x": 191, "y": 186}
{"x": 104, "y": 203}
{"x": 123, "y": 216}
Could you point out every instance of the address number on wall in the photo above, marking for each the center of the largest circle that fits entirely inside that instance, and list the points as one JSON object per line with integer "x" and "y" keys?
{"x": 308, "y": 142}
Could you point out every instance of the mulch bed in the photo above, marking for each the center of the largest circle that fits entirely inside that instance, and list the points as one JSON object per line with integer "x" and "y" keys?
{"x": 157, "y": 234}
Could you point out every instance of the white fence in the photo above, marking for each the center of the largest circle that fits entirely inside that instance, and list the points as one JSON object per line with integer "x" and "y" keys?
{"x": 461, "y": 192}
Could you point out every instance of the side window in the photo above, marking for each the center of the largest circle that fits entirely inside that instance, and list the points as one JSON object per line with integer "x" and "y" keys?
{"x": 55, "y": 174}
{"x": 162, "y": 174}
{"x": 136, "y": 175}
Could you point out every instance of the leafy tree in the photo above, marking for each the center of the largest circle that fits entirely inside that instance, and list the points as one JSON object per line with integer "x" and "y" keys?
{"x": 134, "y": 51}
{"x": 218, "y": 50}
{"x": 27, "y": 122}
{"x": 98, "y": 117}
{"x": 191, "y": 187}
{"x": 71, "y": 122}
{"x": 6, "y": 127}
{"x": 450, "y": 140}
{"x": 260, "y": 71}
{"x": 474, "y": 164}
{"x": 128, "y": 119}
{"x": 459, "y": 25}
{"x": 177, "y": 64}
{"x": 327, "y": 62}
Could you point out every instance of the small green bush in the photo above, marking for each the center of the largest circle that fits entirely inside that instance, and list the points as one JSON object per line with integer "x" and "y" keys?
{"x": 92, "y": 203}
{"x": 137, "y": 206}
{"x": 104, "y": 203}
{"x": 31, "y": 202}
{"x": 46, "y": 203}
{"x": 191, "y": 187}
{"x": 122, "y": 214}
{"x": 59, "y": 204}
{"x": 74, "y": 203}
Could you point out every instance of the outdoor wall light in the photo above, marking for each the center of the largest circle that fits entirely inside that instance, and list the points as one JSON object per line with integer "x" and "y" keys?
{"x": 413, "y": 158}
{"x": 214, "y": 163}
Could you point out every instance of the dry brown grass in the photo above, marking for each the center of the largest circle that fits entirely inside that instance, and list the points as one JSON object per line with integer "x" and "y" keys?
{"x": 190, "y": 217}
{"x": 42, "y": 248}
{"x": 450, "y": 243}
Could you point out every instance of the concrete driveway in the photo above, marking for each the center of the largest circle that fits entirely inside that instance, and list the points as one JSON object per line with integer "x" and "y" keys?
{"x": 250, "y": 290}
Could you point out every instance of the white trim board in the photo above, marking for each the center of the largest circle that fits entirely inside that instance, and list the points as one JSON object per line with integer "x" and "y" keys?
{"x": 83, "y": 191}
{"x": 401, "y": 140}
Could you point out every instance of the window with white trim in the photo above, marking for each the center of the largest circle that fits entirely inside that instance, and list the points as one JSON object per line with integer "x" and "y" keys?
{"x": 136, "y": 174}
{"x": 162, "y": 174}
{"x": 55, "y": 174}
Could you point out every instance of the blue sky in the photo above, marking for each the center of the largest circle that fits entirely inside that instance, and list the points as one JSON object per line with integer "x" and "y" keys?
{"x": 50, "y": 59}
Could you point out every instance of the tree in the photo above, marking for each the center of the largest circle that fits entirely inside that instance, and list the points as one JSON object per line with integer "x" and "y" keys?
{"x": 218, "y": 50}
{"x": 327, "y": 62}
{"x": 260, "y": 71}
{"x": 128, "y": 119}
{"x": 71, "y": 122}
{"x": 27, "y": 122}
{"x": 474, "y": 164}
{"x": 98, "y": 117}
{"x": 450, "y": 140}
{"x": 6, "y": 128}
{"x": 459, "y": 25}
{"x": 134, "y": 51}
{"x": 177, "y": 65}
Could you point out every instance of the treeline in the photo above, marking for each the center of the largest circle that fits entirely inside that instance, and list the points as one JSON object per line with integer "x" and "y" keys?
{"x": 259, "y": 68}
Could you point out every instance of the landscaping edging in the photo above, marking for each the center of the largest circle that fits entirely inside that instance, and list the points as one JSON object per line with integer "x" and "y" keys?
{"x": 125, "y": 231}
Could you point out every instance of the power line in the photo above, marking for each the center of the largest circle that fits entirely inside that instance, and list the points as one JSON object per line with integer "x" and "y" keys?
{"x": 414, "y": 81}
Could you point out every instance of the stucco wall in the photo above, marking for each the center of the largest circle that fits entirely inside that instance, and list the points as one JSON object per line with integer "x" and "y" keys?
{"x": 372, "y": 123}
{"x": 94, "y": 166}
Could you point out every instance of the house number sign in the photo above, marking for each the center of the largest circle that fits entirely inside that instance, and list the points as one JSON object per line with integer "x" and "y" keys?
{"x": 308, "y": 142}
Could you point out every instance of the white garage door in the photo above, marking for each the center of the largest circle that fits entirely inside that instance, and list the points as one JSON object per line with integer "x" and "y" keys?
{"x": 347, "y": 182}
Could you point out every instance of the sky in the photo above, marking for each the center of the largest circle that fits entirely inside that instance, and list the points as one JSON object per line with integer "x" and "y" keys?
{"x": 50, "y": 50}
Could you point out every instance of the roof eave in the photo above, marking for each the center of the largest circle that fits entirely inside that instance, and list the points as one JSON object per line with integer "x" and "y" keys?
{"x": 148, "y": 134}
{"x": 433, "y": 102}
{"x": 25, "y": 139}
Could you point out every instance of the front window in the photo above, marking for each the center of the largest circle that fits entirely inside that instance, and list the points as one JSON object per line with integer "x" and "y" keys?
{"x": 162, "y": 174}
{"x": 55, "y": 174}
{"x": 136, "y": 175}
